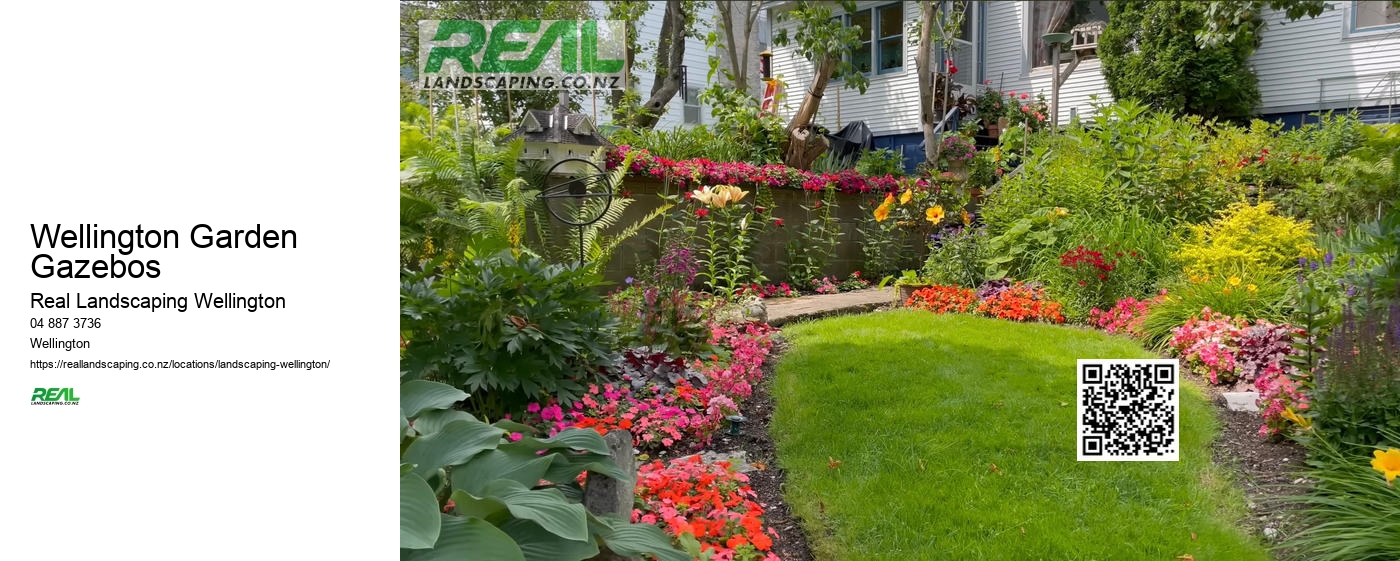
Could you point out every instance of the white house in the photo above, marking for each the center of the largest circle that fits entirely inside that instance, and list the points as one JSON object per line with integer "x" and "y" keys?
{"x": 1348, "y": 57}
{"x": 685, "y": 109}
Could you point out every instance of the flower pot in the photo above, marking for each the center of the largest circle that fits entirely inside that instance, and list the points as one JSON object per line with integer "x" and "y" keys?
{"x": 1003, "y": 123}
{"x": 906, "y": 291}
{"x": 958, "y": 168}
{"x": 993, "y": 131}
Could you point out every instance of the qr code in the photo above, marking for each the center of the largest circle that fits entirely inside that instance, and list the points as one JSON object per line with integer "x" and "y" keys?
{"x": 1129, "y": 410}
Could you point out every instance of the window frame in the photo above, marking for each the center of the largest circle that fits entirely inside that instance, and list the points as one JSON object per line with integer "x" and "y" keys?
{"x": 1028, "y": 38}
{"x": 876, "y": 39}
{"x": 1355, "y": 6}
{"x": 692, "y": 100}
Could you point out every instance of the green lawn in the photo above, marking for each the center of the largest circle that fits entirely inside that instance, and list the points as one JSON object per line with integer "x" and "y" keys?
{"x": 917, "y": 407}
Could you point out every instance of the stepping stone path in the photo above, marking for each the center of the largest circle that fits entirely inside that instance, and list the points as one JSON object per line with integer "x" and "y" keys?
{"x": 787, "y": 310}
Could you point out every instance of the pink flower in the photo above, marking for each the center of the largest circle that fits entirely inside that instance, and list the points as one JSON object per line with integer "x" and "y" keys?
{"x": 1025, "y": 109}
{"x": 1025, "y": 96}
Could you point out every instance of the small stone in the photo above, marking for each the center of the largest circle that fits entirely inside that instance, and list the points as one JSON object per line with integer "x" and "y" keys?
{"x": 1270, "y": 534}
{"x": 1241, "y": 401}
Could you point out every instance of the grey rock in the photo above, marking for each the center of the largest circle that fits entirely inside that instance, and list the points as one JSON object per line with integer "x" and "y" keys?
{"x": 1240, "y": 401}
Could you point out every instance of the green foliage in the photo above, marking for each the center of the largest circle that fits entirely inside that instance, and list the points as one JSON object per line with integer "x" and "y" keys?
{"x": 673, "y": 321}
{"x": 816, "y": 242}
{"x": 1139, "y": 251}
{"x": 1058, "y": 175}
{"x": 881, "y": 162}
{"x": 1349, "y": 513}
{"x": 956, "y": 258}
{"x": 1027, "y": 241}
{"x": 510, "y": 329}
{"x": 742, "y": 125}
{"x": 1242, "y": 22}
{"x": 1150, "y": 54}
{"x": 726, "y": 245}
{"x": 820, "y": 35}
{"x": 512, "y": 497}
{"x": 1377, "y": 244}
{"x": 1228, "y": 293}
{"x": 1358, "y": 391}
{"x": 1356, "y": 179}
{"x": 1249, "y": 237}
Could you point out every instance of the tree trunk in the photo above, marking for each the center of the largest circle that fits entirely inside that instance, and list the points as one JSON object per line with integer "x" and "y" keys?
{"x": 799, "y": 152}
{"x": 928, "y": 119}
{"x": 736, "y": 46}
{"x": 670, "y": 56}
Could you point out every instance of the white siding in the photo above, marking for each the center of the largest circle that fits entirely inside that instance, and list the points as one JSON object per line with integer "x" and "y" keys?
{"x": 1297, "y": 59}
{"x": 1008, "y": 68}
{"x": 697, "y": 62}
{"x": 890, "y": 104}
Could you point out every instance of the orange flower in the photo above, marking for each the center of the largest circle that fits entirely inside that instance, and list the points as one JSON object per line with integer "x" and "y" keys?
{"x": 882, "y": 212}
{"x": 762, "y": 542}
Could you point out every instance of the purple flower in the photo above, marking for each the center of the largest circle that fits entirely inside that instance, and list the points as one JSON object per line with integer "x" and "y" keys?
{"x": 1312, "y": 265}
{"x": 1327, "y": 259}
{"x": 628, "y": 280}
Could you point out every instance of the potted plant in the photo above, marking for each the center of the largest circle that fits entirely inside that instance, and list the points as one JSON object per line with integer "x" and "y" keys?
{"x": 906, "y": 285}
{"x": 956, "y": 153}
{"x": 991, "y": 108}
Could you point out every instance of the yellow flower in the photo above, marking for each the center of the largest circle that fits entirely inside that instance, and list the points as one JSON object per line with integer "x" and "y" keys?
{"x": 967, "y": 218}
{"x": 719, "y": 195}
{"x": 1252, "y": 288}
{"x": 1060, "y": 211}
{"x": 907, "y": 196}
{"x": 1388, "y": 463}
{"x": 1289, "y": 414}
{"x": 1234, "y": 281}
{"x": 935, "y": 214}
{"x": 889, "y": 199}
{"x": 882, "y": 212}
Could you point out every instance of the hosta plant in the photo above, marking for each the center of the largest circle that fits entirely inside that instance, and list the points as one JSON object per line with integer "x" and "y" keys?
{"x": 469, "y": 490}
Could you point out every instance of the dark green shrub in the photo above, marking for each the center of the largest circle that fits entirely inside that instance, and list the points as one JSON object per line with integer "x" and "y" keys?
{"x": 508, "y": 329}
{"x": 881, "y": 162}
{"x": 956, "y": 257}
{"x": 1150, "y": 54}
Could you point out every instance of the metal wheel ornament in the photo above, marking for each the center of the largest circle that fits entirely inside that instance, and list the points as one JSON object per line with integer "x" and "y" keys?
{"x": 570, "y": 201}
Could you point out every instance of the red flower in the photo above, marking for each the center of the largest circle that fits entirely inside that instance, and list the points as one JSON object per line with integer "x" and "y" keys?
{"x": 701, "y": 212}
{"x": 778, "y": 222}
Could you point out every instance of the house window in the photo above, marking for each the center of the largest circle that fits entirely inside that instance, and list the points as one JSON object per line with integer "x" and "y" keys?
{"x": 691, "y": 111}
{"x": 881, "y": 47}
{"x": 1371, "y": 15}
{"x": 1058, "y": 17}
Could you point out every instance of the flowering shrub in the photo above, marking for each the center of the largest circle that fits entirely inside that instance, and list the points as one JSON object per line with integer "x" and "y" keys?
{"x": 1283, "y": 393}
{"x": 825, "y": 285}
{"x": 1252, "y": 237}
{"x": 942, "y": 299}
{"x": 854, "y": 282}
{"x": 1021, "y": 302}
{"x": 769, "y": 290}
{"x": 1125, "y": 316}
{"x": 957, "y": 148}
{"x": 775, "y": 176}
{"x": 661, "y": 416}
{"x": 711, "y": 502}
{"x": 1204, "y": 345}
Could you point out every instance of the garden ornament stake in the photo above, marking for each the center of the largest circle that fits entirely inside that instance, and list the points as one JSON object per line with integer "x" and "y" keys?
{"x": 1055, "y": 40}
{"x": 568, "y": 202}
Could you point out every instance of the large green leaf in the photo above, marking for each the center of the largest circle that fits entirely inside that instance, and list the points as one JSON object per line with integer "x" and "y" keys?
{"x": 567, "y": 466}
{"x": 432, "y": 420}
{"x": 577, "y": 439}
{"x": 452, "y": 445}
{"x": 469, "y": 505}
{"x": 519, "y": 465}
{"x": 418, "y": 513}
{"x": 539, "y": 544}
{"x": 417, "y": 395}
{"x": 468, "y": 538}
{"x": 547, "y": 507}
{"x": 628, "y": 539}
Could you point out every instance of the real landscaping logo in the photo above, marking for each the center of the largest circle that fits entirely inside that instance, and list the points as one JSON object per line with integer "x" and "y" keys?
{"x": 520, "y": 54}
{"x": 53, "y": 396}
